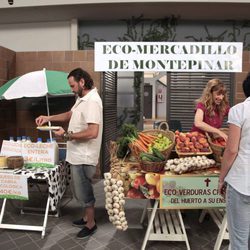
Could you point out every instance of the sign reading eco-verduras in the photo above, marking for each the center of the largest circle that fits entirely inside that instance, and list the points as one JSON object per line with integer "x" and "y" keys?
{"x": 168, "y": 56}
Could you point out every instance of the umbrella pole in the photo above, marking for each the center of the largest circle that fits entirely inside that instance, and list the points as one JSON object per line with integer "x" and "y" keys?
{"x": 47, "y": 104}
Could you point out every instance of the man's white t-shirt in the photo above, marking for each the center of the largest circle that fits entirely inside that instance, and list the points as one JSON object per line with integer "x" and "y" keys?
{"x": 87, "y": 109}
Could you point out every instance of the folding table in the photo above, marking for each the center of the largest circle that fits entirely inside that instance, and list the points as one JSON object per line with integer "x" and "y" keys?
{"x": 56, "y": 179}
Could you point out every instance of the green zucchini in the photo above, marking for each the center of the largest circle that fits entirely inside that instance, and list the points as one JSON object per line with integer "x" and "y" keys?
{"x": 149, "y": 157}
{"x": 158, "y": 154}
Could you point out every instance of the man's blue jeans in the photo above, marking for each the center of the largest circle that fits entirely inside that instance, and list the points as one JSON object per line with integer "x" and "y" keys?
{"x": 238, "y": 218}
{"x": 81, "y": 184}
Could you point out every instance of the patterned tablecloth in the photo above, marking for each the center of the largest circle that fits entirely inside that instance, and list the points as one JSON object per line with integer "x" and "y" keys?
{"x": 57, "y": 179}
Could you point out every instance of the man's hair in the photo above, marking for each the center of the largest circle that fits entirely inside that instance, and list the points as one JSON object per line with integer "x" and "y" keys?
{"x": 246, "y": 85}
{"x": 79, "y": 74}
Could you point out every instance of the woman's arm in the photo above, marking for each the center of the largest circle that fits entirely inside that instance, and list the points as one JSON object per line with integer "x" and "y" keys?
{"x": 199, "y": 123}
{"x": 230, "y": 152}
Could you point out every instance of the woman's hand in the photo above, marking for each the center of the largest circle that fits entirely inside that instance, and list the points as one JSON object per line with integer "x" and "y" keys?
{"x": 223, "y": 135}
{"x": 42, "y": 119}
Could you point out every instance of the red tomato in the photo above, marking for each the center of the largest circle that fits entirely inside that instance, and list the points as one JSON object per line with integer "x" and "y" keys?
{"x": 134, "y": 194}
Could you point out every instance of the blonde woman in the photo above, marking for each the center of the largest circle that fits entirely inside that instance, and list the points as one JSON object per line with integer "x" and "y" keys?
{"x": 211, "y": 108}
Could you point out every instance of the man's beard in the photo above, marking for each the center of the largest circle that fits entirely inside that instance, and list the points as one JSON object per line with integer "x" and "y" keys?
{"x": 79, "y": 92}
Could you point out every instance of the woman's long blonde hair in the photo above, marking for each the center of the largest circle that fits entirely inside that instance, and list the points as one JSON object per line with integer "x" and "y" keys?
{"x": 207, "y": 97}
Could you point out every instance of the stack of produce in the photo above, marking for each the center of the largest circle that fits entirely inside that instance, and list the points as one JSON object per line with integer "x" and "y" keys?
{"x": 217, "y": 144}
{"x": 115, "y": 202}
{"x": 147, "y": 142}
{"x": 138, "y": 142}
{"x": 188, "y": 164}
{"x": 191, "y": 143}
{"x": 151, "y": 147}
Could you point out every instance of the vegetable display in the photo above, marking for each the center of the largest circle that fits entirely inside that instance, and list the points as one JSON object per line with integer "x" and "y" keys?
{"x": 140, "y": 142}
{"x": 138, "y": 159}
{"x": 147, "y": 142}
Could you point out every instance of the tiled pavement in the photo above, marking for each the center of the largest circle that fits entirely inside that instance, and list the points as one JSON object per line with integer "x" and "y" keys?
{"x": 61, "y": 235}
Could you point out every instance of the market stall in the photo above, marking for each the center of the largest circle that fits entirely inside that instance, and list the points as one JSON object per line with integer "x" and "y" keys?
{"x": 39, "y": 165}
{"x": 180, "y": 174}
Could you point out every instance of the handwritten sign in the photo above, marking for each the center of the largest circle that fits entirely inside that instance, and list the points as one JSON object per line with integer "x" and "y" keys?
{"x": 31, "y": 152}
{"x": 10, "y": 148}
{"x": 13, "y": 186}
{"x": 190, "y": 192}
{"x": 39, "y": 153}
{"x": 169, "y": 56}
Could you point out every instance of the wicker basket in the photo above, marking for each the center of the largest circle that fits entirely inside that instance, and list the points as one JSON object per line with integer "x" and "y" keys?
{"x": 217, "y": 149}
{"x": 149, "y": 166}
{"x": 155, "y": 166}
{"x": 169, "y": 134}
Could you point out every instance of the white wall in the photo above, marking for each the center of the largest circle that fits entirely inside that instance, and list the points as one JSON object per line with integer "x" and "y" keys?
{"x": 45, "y": 36}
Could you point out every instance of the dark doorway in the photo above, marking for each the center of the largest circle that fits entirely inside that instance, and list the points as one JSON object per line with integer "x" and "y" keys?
{"x": 148, "y": 90}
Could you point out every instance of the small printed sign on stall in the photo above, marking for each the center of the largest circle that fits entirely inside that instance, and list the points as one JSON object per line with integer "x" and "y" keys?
{"x": 13, "y": 186}
{"x": 31, "y": 152}
{"x": 192, "y": 192}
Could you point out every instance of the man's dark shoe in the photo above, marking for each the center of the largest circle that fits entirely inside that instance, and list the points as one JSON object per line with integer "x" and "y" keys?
{"x": 79, "y": 223}
{"x": 86, "y": 232}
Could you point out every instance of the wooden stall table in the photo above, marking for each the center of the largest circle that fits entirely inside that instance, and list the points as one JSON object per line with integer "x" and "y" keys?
{"x": 220, "y": 218}
{"x": 165, "y": 225}
{"x": 55, "y": 179}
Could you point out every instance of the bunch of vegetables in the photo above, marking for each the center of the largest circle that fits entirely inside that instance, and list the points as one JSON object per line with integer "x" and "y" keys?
{"x": 149, "y": 144}
{"x": 143, "y": 142}
{"x": 161, "y": 143}
{"x": 115, "y": 201}
{"x": 155, "y": 156}
{"x": 129, "y": 133}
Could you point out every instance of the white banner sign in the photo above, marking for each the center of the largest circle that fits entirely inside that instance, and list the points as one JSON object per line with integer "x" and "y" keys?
{"x": 168, "y": 56}
{"x": 13, "y": 186}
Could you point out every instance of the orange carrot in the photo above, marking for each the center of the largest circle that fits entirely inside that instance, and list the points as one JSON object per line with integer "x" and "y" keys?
{"x": 150, "y": 137}
{"x": 139, "y": 145}
{"x": 144, "y": 141}
{"x": 139, "y": 149}
{"x": 147, "y": 138}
